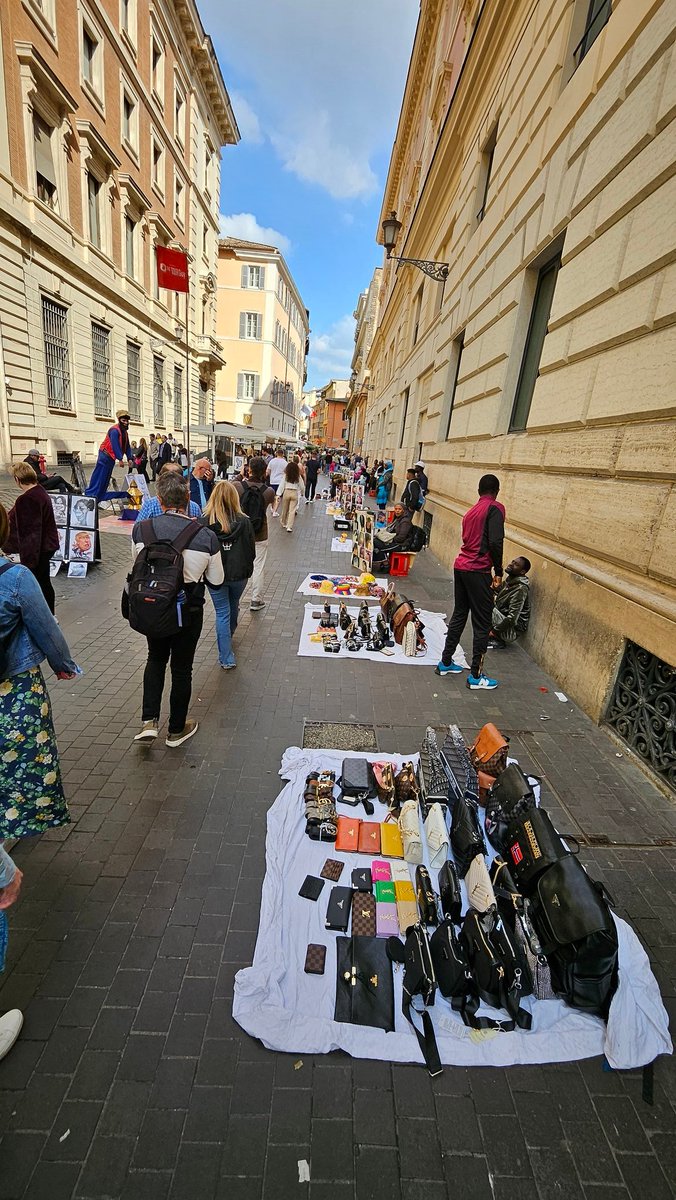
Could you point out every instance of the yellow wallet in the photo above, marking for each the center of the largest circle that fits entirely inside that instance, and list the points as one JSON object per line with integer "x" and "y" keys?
{"x": 404, "y": 890}
{"x": 391, "y": 845}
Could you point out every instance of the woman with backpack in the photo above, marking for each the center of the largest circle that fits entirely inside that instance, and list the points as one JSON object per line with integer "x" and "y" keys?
{"x": 235, "y": 534}
{"x": 291, "y": 492}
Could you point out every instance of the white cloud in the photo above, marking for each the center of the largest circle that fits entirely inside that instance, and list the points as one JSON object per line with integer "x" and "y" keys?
{"x": 331, "y": 352}
{"x": 245, "y": 226}
{"x": 326, "y": 80}
{"x": 249, "y": 125}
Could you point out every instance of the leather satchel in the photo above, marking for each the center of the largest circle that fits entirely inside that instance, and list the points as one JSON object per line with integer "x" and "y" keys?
{"x": 409, "y": 825}
{"x": 427, "y": 901}
{"x": 364, "y": 984}
{"x": 449, "y": 890}
{"x": 466, "y": 837}
{"x": 436, "y": 835}
{"x": 363, "y": 915}
{"x": 489, "y": 749}
{"x": 419, "y": 982}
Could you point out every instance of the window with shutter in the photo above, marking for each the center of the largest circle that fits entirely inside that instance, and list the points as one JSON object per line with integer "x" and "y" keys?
{"x": 242, "y": 325}
{"x": 245, "y": 277}
{"x": 259, "y": 325}
{"x": 240, "y": 385}
{"x": 261, "y": 277}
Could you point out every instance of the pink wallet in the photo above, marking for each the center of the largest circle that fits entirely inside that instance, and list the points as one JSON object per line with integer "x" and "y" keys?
{"x": 380, "y": 870}
{"x": 387, "y": 922}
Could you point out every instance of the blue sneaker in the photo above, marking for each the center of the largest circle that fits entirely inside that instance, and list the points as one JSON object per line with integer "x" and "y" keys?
{"x": 442, "y": 669}
{"x": 481, "y": 683}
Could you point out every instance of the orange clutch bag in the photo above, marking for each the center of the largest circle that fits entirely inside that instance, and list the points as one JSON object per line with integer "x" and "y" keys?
{"x": 347, "y": 838}
{"x": 369, "y": 837}
{"x": 391, "y": 845}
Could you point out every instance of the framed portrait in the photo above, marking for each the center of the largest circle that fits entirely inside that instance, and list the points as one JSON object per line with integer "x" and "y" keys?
{"x": 60, "y": 509}
{"x": 60, "y": 554}
{"x": 77, "y": 570}
{"x": 81, "y": 545}
{"x": 83, "y": 512}
{"x": 54, "y": 567}
{"x": 140, "y": 482}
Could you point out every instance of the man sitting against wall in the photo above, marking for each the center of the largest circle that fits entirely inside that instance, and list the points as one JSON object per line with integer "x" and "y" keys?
{"x": 511, "y": 604}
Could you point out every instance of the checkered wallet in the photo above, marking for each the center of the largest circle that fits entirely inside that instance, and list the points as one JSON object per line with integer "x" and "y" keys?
{"x": 315, "y": 959}
{"x": 332, "y": 869}
{"x": 363, "y": 915}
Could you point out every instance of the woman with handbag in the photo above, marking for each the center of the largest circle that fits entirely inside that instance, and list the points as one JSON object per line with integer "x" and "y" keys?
{"x": 235, "y": 534}
{"x": 141, "y": 458}
{"x": 291, "y": 492}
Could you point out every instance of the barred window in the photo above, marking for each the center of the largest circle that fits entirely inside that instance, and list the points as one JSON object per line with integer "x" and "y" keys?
{"x": 178, "y": 398}
{"x": 57, "y": 360}
{"x": 158, "y": 390}
{"x": 134, "y": 380}
{"x": 101, "y": 369}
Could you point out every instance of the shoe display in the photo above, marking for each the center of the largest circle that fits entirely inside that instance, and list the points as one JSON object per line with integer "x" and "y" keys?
{"x": 481, "y": 683}
{"x": 147, "y": 732}
{"x": 10, "y": 1028}
{"x": 452, "y": 669}
{"x": 257, "y": 605}
{"x": 189, "y": 729}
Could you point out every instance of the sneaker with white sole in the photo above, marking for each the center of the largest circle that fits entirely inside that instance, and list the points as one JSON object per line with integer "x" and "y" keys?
{"x": 189, "y": 729}
{"x": 147, "y": 732}
{"x": 481, "y": 683}
{"x": 257, "y": 605}
{"x": 451, "y": 669}
{"x": 10, "y": 1028}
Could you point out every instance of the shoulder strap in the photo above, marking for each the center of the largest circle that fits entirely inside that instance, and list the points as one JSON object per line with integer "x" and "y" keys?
{"x": 426, "y": 1039}
{"x": 183, "y": 539}
{"x": 6, "y": 566}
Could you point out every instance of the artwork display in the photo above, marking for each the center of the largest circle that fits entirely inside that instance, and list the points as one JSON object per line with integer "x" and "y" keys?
{"x": 60, "y": 509}
{"x": 77, "y": 570}
{"x": 77, "y": 522}
{"x": 362, "y": 539}
{"x": 54, "y": 567}
{"x": 82, "y": 512}
{"x": 138, "y": 483}
{"x": 81, "y": 545}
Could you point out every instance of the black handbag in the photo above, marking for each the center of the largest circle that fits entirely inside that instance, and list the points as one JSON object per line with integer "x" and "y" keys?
{"x": 364, "y": 984}
{"x": 449, "y": 890}
{"x": 427, "y": 903}
{"x": 451, "y": 966}
{"x": 419, "y": 980}
{"x": 510, "y": 797}
{"x": 467, "y": 840}
{"x": 497, "y": 968}
{"x": 533, "y": 845}
{"x": 358, "y": 783}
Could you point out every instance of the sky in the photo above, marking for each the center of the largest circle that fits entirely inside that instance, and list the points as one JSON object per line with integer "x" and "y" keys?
{"x": 316, "y": 87}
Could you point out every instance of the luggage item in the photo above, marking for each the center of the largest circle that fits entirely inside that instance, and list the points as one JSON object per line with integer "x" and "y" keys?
{"x": 380, "y": 869}
{"x": 155, "y": 597}
{"x": 451, "y": 966}
{"x": 480, "y": 892}
{"x": 449, "y": 890}
{"x": 400, "y": 870}
{"x": 384, "y": 777}
{"x": 497, "y": 969}
{"x": 332, "y": 869}
{"x": 311, "y": 887}
{"x": 362, "y": 880}
{"x": 432, "y": 778}
{"x": 419, "y": 980}
{"x": 348, "y": 834}
{"x": 364, "y": 984}
{"x": 387, "y": 923}
{"x": 404, "y": 890}
{"x": 489, "y": 750}
{"x": 533, "y": 845}
{"x": 427, "y": 901}
{"x": 409, "y": 825}
{"x": 406, "y": 784}
{"x": 385, "y": 892}
{"x": 407, "y": 914}
{"x": 321, "y": 818}
{"x": 315, "y": 959}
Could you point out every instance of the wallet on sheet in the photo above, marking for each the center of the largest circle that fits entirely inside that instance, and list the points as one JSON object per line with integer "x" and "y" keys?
{"x": 401, "y": 872}
{"x": 315, "y": 959}
{"x": 404, "y": 890}
{"x": 391, "y": 844}
{"x": 387, "y": 924}
{"x": 347, "y": 838}
{"x": 362, "y": 880}
{"x": 385, "y": 893}
{"x": 407, "y": 914}
{"x": 369, "y": 838}
{"x": 311, "y": 888}
{"x": 332, "y": 869}
{"x": 379, "y": 868}
{"x": 338, "y": 911}
{"x": 363, "y": 915}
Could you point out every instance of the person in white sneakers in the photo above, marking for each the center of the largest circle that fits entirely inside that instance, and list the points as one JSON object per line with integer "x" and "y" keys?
{"x": 10, "y": 886}
{"x": 275, "y": 475}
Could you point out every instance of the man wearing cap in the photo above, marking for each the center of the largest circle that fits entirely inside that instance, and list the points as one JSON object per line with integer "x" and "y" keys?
{"x": 51, "y": 483}
{"x": 114, "y": 447}
{"x": 421, "y": 477}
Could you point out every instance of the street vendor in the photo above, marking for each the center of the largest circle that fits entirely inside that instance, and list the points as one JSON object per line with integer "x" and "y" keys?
{"x": 114, "y": 447}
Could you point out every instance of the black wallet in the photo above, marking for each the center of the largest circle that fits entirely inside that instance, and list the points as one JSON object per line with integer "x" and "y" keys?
{"x": 338, "y": 911}
{"x": 364, "y": 983}
{"x": 311, "y": 888}
{"x": 362, "y": 880}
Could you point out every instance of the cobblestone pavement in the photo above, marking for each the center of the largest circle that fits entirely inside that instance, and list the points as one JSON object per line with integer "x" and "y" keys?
{"x": 132, "y": 1080}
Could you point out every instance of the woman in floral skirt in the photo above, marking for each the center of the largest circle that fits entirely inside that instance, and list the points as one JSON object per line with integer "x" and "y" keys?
{"x": 31, "y": 792}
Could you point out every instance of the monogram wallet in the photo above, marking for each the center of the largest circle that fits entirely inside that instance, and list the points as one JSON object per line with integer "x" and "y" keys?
{"x": 403, "y": 890}
{"x": 332, "y": 869}
{"x": 338, "y": 911}
{"x": 385, "y": 892}
{"x": 363, "y": 915}
{"x": 379, "y": 868}
{"x": 315, "y": 959}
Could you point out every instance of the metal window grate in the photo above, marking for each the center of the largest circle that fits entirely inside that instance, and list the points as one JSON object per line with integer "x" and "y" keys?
{"x": 134, "y": 380}
{"x": 643, "y": 709}
{"x": 57, "y": 364}
{"x": 178, "y": 398}
{"x": 101, "y": 369}
{"x": 158, "y": 390}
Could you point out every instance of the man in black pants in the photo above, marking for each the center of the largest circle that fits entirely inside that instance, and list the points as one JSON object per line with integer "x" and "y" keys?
{"x": 311, "y": 473}
{"x": 483, "y": 532}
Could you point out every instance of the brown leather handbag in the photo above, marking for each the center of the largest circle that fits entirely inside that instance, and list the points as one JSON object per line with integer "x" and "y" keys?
{"x": 488, "y": 752}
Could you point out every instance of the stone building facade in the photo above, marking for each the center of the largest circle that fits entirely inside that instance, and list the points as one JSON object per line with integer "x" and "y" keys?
{"x": 366, "y": 318}
{"x": 536, "y": 155}
{"x": 263, "y": 326}
{"x": 112, "y": 118}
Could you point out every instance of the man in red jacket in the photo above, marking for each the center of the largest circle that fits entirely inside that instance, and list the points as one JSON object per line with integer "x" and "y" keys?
{"x": 483, "y": 533}
{"x": 115, "y": 446}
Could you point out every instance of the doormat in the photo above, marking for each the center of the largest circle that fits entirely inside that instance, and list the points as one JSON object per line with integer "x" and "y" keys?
{"x": 339, "y": 736}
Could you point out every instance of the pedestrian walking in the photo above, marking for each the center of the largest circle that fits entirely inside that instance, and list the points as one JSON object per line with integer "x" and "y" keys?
{"x": 201, "y": 560}
{"x": 163, "y": 454}
{"x": 311, "y": 477}
{"x": 30, "y": 777}
{"x": 275, "y": 474}
{"x": 255, "y": 497}
{"x": 32, "y": 529}
{"x": 290, "y": 491}
{"x": 483, "y": 533}
{"x": 238, "y": 551}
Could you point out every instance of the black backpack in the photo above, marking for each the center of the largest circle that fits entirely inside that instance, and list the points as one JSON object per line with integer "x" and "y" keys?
{"x": 155, "y": 591}
{"x": 417, "y": 539}
{"x": 252, "y": 502}
{"x": 6, "y": 639}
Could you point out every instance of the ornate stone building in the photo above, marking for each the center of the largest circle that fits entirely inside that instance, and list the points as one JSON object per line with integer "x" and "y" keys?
{"x": 535, "y": 155}
{"x": 112, "y": 117}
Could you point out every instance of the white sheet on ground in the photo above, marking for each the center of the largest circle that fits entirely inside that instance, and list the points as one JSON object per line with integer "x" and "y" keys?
{"x": 339, "y": 547}
{"x": 435, "y": 636}
{"x": 290, "y": 1011}
{"x": 306, "y": 590}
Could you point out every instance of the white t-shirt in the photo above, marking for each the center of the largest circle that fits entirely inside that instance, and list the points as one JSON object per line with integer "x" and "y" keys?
{"x": 277, "y": 468}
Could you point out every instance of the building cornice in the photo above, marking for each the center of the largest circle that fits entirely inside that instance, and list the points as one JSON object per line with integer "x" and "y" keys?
{"x": 207, "y": 66}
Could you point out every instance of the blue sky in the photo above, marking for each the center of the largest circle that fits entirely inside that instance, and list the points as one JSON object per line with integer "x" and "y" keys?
{"x": 316, "y": 86}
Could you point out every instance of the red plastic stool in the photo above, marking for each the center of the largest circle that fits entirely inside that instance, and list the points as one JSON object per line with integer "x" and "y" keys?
{"x": 399, "y": 563}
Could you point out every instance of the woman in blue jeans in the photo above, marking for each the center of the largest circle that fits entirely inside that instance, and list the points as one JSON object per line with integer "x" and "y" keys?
{"x": 238, "y": 550}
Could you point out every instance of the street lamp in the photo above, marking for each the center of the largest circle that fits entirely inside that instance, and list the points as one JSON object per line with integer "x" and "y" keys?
{"x": 391, "y": 230}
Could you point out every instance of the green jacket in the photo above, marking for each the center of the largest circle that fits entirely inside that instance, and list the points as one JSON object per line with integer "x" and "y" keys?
{"x": 511, "y": 608}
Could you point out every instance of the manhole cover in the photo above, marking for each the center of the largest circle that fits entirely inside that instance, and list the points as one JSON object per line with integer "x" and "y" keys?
{"x": 336, "y": 735}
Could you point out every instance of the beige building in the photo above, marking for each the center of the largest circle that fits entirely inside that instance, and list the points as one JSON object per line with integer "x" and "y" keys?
{"x": 366, "y": 319}
{"x": 535, "y": 155}
{"x": 112, "y": 117}
{"x": 263, "y": 327}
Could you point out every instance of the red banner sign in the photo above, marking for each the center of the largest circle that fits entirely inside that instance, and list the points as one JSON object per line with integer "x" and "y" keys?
{"x": 172, "y": 269}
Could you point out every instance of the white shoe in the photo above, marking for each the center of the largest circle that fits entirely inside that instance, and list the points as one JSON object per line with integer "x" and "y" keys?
{"x": 275, "y": 514}
{"x": 10, "y": 1028}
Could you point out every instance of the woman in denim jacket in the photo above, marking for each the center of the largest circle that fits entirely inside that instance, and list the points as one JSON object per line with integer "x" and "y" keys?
{"x": 10, "y": 886}
{"x": 31, "y": 792}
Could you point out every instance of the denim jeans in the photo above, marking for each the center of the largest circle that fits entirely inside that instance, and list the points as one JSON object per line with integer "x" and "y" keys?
{"x": 226, "y": 604}
{"x": 181, "y": 649}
